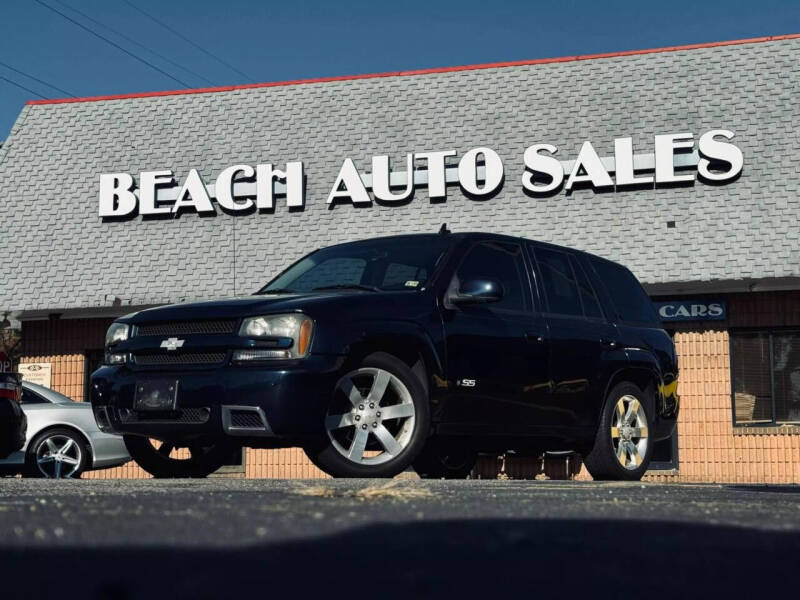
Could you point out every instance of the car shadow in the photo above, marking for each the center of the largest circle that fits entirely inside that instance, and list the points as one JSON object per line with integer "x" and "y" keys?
{"x": 775, "y": 489}
{"x": 600, "y": 558}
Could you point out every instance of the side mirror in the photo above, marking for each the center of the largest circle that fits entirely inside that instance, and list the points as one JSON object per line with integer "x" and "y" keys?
{"x": 477, "y": 291}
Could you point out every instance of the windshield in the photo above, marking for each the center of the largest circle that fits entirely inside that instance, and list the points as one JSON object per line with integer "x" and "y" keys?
{"x": 387, "y": 264}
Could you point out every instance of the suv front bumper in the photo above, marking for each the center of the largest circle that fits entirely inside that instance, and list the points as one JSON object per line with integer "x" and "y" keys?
{"x": 286, "y": 400}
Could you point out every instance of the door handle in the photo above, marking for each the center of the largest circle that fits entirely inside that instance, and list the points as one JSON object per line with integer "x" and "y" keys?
{"x": 535, "y": 337}
{"x": 608, "y": 342}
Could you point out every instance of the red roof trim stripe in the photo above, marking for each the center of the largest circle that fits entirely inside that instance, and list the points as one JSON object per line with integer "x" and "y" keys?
{"x": 518, "y": 63}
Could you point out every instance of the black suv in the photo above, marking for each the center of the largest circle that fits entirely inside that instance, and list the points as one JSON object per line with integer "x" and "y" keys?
{"x": 415, "y": 350}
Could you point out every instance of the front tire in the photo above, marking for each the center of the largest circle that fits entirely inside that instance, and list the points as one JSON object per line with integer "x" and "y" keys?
{"x": 377, "y": 420}
{"x": 58, "y": 453}
{"x": 622, "y": 447}
{"x": 157, "y": 461}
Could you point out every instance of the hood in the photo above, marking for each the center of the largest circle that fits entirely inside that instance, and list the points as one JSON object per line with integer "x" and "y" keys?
{"x": 247, "y": 306}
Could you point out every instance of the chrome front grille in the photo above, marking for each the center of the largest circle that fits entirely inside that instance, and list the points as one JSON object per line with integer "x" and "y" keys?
{"x": 218, "y": 327}
{"x": 183, "y": 358}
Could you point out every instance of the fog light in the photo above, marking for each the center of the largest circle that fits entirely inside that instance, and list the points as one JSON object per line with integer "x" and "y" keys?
{"x": 250, "y": 355}
{"x": 116, "y": 359}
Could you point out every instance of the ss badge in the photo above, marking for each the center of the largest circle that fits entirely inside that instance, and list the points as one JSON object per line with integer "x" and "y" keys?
{"x": 465, "y": 383}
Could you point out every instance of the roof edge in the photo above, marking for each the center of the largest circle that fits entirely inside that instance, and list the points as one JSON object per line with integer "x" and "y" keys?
{"x": 496, "y": 65}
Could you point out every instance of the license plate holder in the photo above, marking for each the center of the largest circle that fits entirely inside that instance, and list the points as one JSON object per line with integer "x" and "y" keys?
{"x": 155, "y": 394}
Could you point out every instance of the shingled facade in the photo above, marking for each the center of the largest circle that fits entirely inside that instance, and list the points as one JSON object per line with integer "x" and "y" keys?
{"x": 65, "y": 271}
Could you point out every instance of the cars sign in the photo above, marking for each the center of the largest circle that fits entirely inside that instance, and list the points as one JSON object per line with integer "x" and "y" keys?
{"x": 692, "y": 310}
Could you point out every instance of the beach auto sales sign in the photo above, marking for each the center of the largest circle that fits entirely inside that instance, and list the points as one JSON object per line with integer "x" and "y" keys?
{"x": 676, "y": 158}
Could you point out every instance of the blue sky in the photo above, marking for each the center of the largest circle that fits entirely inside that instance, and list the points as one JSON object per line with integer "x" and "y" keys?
{"x": 272, "y": 41}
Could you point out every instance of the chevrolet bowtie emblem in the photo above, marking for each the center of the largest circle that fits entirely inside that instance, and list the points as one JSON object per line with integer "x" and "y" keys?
{"x": 172, "y": 343}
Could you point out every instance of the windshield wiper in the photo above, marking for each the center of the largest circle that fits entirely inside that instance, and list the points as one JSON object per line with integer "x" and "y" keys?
{"x": 278, "y": 291}
{"x": 347, "y": 286}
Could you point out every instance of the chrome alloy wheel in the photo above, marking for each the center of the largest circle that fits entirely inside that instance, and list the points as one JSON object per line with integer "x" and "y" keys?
{"x": 629, "y": 432}
{"x": 371, "y": 419}
{"x": 58, "y": 457}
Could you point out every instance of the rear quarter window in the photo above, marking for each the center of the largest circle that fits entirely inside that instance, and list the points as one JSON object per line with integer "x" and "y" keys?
{"x": 630, "y": 300}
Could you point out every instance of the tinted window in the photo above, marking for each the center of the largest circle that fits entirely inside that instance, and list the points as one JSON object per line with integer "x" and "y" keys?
{"x": 29, "y": 397}
{"x": 558, "y": 281}
{"x": 389, "y": 264}
{"x": 403, "y": 276}
{"x": 630, "y": 300}
{"x": 502, "y": 262}
{"x": 591, "y": 306}
{"x": 336, "y": 271}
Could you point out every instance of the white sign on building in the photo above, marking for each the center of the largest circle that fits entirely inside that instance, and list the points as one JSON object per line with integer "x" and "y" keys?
{"x": 40, "y": 373}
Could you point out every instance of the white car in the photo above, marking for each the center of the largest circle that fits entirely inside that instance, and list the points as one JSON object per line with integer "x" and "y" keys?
{"x": 63, "y": 439}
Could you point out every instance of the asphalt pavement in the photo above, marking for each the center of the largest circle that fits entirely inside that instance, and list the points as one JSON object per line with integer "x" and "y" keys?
{"x": 226, "y": 538}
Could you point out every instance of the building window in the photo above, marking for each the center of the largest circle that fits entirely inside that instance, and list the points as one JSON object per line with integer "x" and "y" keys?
{"x": 765, "y": 374}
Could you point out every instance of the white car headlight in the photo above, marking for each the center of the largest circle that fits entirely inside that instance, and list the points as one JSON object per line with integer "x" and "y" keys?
{"x": 296, "y": 326}
{"x": 118, "y": 332}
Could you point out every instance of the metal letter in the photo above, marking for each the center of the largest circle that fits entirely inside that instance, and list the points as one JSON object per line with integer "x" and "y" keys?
{"x": 437, "y": 185}
{"x": 148, "y": 180}
{"x": 295, "y": 185}
{"x": 596, "y": 173}
{"x": 623, "y": 159}
{"x": 380, "y": 179}
{"x": 265, "y": 177}
{"x": 224, "y": 187}
{"x": 265, "y": 185}
{"x": 198, "y": 194}
{"x": 350, "y": 180}
{"x": 116, "y": 197}
{"x": 468, "y": 172}
{"x": 665, "y": 156}
{"x": 539, "y": 163}
{"x": 712, "y": 149}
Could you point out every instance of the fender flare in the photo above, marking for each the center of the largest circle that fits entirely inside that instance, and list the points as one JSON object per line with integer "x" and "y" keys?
{"x": 398, "y": 334}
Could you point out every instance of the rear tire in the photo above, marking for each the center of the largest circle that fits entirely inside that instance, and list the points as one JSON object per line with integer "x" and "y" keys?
{"x": 622, "y": 447}
{"x": 445, "y": 459}
{"x": 377, "y": 421}
{"x": 204, "y": 460}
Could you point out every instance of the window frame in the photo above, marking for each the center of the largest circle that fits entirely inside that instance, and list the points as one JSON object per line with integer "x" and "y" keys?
{"x": 573, "y": 262}
{"x": 603, "y": 318}
{"x": 528, "y": 293}
{"x": 770, "y": 332}
{"x": 42, "y": 399}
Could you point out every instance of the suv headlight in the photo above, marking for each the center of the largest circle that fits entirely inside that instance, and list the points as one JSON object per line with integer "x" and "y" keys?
{"x": 118, "y": 332}
{"x": 295, "y": 326}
